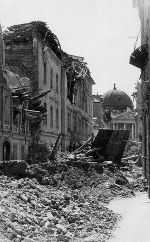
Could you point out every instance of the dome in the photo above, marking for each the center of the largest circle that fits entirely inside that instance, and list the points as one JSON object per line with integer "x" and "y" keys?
{"x": 117, "y": 100}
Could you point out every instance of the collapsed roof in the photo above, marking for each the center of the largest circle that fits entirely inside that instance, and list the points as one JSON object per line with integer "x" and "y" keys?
{"x": 76, "y": 71}
{"x": 23, "y": 33}
{"x": 76, "y": 68}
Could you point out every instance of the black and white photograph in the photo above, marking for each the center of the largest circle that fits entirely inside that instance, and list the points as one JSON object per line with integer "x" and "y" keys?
{"x": 74, "y": 121}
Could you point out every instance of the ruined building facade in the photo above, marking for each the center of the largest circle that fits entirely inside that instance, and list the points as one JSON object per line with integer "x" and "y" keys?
{"x": 140, "y": 59}
{"x": 13, "y": 141}
{"x": 34, "y": 52}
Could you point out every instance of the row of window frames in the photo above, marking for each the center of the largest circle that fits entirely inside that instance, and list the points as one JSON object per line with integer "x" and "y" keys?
{"x": 52, "y": 116}
{"x": 51, "y": 77}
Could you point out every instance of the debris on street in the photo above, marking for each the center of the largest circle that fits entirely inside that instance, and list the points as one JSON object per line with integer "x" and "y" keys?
{"x": 65, "y": 199}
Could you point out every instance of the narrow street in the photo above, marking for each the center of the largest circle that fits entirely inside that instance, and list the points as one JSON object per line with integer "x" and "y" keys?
{"x": 134, "y": 226}
{"x": 74, "y": 121}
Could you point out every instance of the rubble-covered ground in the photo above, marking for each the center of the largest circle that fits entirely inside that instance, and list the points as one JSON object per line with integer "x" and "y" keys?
{"x": 65, "y": 201}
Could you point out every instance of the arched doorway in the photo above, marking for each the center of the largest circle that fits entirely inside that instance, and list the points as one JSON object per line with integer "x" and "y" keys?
{"x": 6, "y": 150}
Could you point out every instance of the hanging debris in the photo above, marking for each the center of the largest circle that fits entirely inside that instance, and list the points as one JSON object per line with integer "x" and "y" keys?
{"x": 139, "y": 57}
{"x": 76, "y": 71}
{"x": 23, "y": 33}
{"x": 30, "y": 110}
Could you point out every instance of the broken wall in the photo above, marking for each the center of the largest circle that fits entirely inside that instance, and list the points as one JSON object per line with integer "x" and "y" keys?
{"x": 22, "y": 60}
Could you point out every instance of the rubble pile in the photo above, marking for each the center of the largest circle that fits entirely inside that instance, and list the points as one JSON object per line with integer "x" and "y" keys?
{"x": 133, "y": 149}
{"x": 135, "y": 177}
{"x": 64, "y": 199}
{"x": 32, "y": 212}
{"x": 132, "y": 169}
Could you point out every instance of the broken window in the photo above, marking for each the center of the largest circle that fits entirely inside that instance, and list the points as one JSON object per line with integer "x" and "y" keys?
{"x": 57, "y": 118}
{"x": 23, "y": 152}
{"x": 56, "y": 82}
{"x": 51, "y": 78}
{"x": 51, "y": 116}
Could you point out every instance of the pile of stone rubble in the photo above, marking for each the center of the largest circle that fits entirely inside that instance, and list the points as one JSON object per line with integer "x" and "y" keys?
{"x": 33, "y": 212}
{"x": 63, "y": 200}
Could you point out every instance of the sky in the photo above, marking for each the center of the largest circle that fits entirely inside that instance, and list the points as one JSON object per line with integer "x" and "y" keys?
{"x": 102, "y": 31}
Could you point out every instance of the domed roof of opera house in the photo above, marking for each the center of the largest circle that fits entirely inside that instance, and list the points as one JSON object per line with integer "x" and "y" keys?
{"x": 117, "y": 99}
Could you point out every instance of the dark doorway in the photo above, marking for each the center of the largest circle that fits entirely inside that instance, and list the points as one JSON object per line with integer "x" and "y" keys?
{"x": 6, "y": 150}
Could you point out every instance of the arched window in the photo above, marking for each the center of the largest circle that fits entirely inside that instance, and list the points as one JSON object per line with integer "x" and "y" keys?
{"x": 6, "y": 150}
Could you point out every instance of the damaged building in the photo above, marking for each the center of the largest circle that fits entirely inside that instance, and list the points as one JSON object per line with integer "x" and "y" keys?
{"x": 54, "y": 88}
{"x": 140, "y": 59}
{"x": 114, "y": 110}
{"x": 14, "y": 140}
{"x": 79, "y": 108}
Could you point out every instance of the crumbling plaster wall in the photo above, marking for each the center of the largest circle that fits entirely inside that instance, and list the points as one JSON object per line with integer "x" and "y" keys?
{"x": 50, "y": 78}
{"x": 22, "y": 60}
